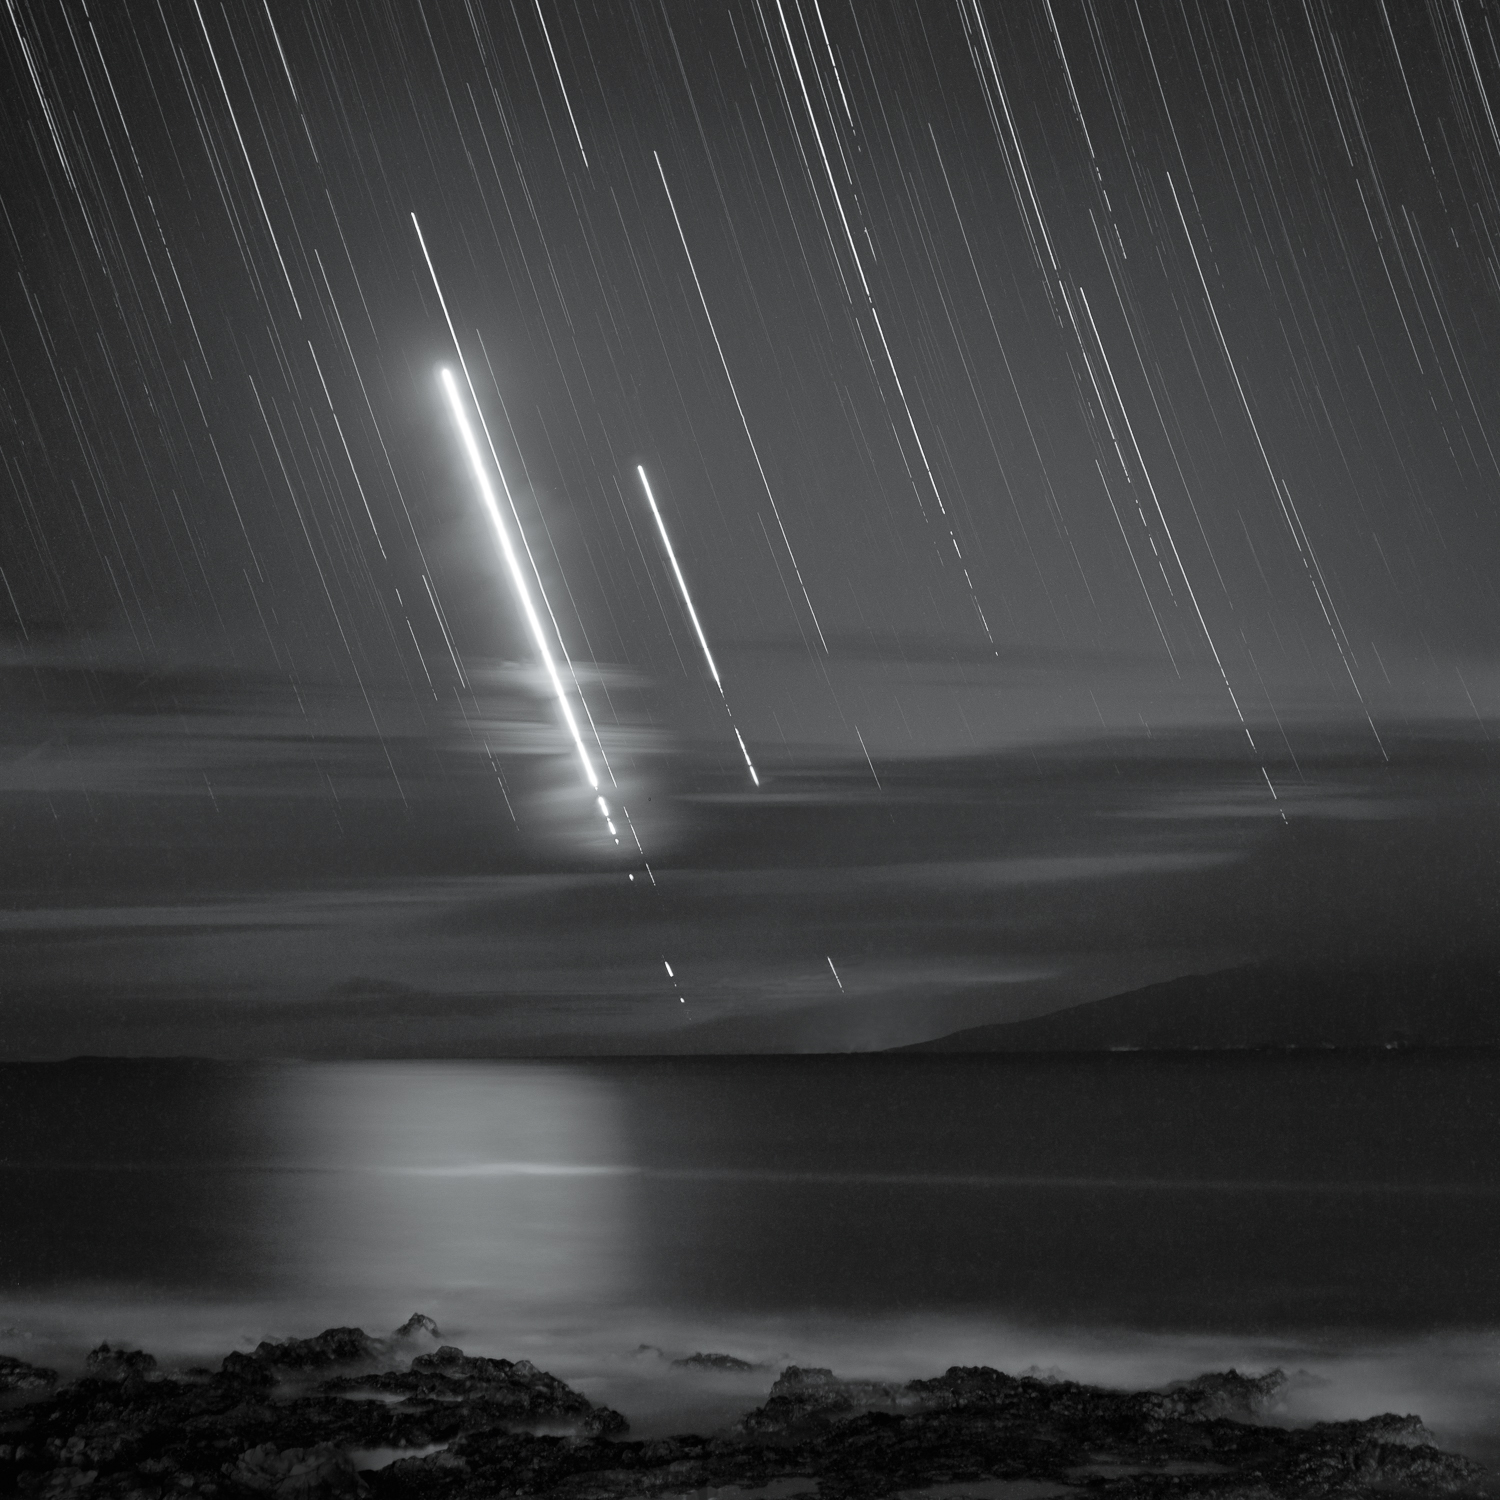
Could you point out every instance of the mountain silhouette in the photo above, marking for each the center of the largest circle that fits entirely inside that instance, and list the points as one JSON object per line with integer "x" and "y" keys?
{"x": 1451, "y": 1004}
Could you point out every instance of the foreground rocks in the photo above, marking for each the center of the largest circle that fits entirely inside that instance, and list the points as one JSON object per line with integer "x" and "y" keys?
{"x": 17, "y": 1375}
{"x": 312, "y": 1418}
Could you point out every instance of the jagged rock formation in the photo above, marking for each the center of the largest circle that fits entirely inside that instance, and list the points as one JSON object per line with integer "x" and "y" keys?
{"x": 418, "y": 1326}
{"x": 17, "y": 1375}
{"x": 713, "y": 1362}
{"x": 105, "y": 1363}
{"x": 495, "y": 1391}
{"x": 277, "y": 1423}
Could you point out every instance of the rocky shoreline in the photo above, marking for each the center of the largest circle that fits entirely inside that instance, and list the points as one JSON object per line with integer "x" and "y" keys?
{"x": 408, "y": 1417}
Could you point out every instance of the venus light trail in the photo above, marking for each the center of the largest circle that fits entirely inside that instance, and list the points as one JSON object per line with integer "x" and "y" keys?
{"x": 687, "y": 600}
{"x": 517, "y": 577}
{"x": 507, "y": 548}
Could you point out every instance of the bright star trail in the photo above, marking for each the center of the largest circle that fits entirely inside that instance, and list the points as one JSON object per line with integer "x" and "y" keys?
{"x": 687, "y": 600}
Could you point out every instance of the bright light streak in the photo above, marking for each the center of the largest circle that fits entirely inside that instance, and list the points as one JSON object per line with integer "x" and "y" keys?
{"x": 836, "y": 978}
{"x": 458, "y": 349}
{"x": 746, "y": 754}
{"x": 687, "y": 600}
{"x": 557, "y": 67}
{"x": 513, "y": 567}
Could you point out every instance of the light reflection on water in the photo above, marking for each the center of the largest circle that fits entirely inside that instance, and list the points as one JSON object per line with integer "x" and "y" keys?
{"x": 449, "y": 1178}
{"x": 1126, "y": 1223}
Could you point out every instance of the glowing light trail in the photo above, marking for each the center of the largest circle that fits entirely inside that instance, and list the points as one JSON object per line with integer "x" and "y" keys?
{"x": 517, "y": 577}
{"x": 687, "y": 600}
{"x": 541, "y": 587}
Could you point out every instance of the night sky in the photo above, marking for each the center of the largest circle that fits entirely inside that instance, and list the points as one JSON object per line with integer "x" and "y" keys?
{"x": 1076, "y": 424}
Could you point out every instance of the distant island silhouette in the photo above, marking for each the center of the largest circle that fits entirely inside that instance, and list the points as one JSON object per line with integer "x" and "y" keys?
{"x": 1450, "y": 1004}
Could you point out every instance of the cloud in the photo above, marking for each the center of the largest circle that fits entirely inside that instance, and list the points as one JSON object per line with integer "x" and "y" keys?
{"x": 939, "y": 696}
{"x": 76, "y": 725}
{"x": 239, "y": 865}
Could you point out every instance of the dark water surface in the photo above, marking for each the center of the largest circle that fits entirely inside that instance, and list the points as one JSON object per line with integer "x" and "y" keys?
{"x": 1126, "y": 1217}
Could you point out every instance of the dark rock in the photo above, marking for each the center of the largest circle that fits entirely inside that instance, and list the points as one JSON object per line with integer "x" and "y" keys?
{"x": 418, "y": 1326}
{"x": 1229, "y": 1394}
{"x": 973, "y": 1388}
{"x": 245, "y": 1434}
{"x": 297, "y": 1473}
{"x": 866, "y": 1438}
{"x": 712, "y": 1362}
{"x": 511, "y": 1392}
{"x": 17, "y": 1375}
{"x": 105, "y": 1363}
{"x": 814, "y": 1396}
{"x": 334, "y": 1346}
{"x": 246, "y": 1370}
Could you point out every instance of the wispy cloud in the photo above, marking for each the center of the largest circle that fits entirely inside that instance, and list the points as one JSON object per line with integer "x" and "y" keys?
{"x": 219, "y": 861}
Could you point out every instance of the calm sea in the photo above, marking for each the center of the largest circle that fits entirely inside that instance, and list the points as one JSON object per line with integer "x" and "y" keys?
{"x": 1127, "y": 1218}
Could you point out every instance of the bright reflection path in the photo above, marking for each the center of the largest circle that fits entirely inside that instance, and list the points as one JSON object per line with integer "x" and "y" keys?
{"x": 446, "y": 1178}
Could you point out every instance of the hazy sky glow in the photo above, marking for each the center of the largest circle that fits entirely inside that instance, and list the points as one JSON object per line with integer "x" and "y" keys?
{"x": 1075, "y": 425}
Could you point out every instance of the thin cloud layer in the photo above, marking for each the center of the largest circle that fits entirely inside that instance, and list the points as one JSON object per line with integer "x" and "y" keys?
{"x": 845, "y": 905}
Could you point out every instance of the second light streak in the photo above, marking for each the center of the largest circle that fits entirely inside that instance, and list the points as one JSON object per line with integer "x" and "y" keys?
{"x": 692, "y": 613}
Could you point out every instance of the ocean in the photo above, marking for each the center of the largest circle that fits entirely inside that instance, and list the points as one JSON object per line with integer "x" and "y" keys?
{"x": 1126, "y": 1219}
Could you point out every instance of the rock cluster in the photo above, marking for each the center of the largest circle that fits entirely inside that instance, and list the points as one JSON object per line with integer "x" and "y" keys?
{"x": 310, "y": 1419}
{"x": 495, "y": 1391}
{"x": 713, "y": 1362}
{"x": 17, "y": 1375}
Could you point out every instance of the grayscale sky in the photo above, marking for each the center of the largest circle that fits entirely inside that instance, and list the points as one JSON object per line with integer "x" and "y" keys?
{"x": 1075, "y": 423}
